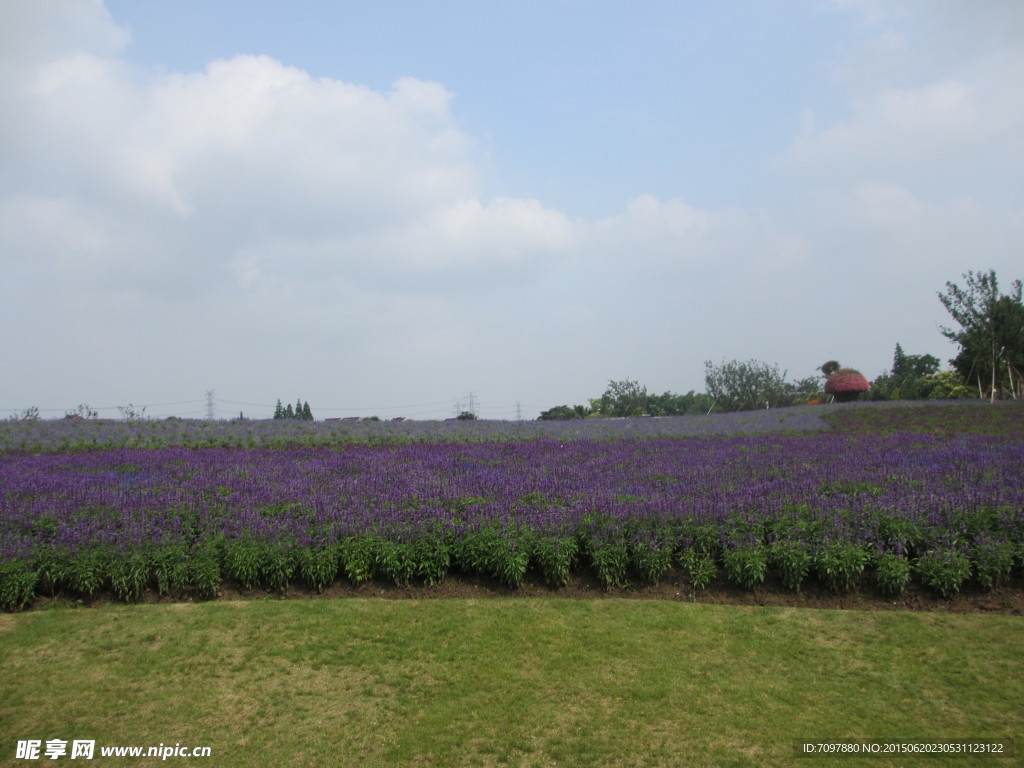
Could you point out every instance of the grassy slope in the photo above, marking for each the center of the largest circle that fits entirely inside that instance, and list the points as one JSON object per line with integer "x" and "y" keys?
{"x": 1002, "y": 419}
{"x": 528, "y": 682}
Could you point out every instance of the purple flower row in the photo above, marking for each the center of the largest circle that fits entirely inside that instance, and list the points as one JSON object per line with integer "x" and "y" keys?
{"x": 903, "y": 494}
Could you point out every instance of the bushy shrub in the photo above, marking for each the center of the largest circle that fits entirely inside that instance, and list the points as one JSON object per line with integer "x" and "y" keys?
{"x": 560, "y": 413}
{"x": 746, "y": 566}
{"x": 992, "y": 556}
{"x": 839, "y": 564}
{"x": 944, "y": 570}
{"x": 555, "y": 556}
{"x": 892, "y": 574}
{"x": 651, "y": 560}
{"x": 700, "y": 568}
{"x": 945, "y": 385}
{"x": 791, "y": 560}
{"x": 17, "y": 584}
{"x": 318, "y": 567}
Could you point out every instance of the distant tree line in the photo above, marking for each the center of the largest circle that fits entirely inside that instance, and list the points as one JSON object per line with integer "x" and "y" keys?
{"x": 989, "y": 332}
{"x": 989, "y": 364}
{"x": 732, "y": 386}
{"x": 628, "y": 398}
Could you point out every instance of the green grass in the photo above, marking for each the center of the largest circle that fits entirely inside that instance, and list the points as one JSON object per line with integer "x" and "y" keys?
{"x": 1004, "y": 418}
{"x": 516, "y": 682}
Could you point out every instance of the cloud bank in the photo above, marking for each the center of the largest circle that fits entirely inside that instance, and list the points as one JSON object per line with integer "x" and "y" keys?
{"x": 255, "y": 229}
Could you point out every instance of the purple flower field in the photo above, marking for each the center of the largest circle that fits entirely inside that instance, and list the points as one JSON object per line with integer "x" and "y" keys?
{"x": 845, "y": 509}
{"x": 87, "y": 434}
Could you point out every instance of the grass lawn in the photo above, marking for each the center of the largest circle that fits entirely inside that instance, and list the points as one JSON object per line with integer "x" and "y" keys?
{"x": 496, "y": 682}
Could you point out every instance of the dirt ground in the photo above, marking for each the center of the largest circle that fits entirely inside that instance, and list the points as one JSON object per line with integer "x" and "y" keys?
{"x": 1007, "y": 599}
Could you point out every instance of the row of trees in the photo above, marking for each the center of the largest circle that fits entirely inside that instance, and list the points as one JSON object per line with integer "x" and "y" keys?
{"x": 747, "y": 385}
{"x": 989, "y": 364}
{"x": 732, "y": 386}
{"x": 301, "y": 411}
{"x": 917, "y": 377}
{"x": 628, "y": 398}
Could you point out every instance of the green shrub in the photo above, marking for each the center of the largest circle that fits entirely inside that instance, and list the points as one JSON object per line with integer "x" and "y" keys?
{"x": 170, "y": 566}
{"x": 554, "y": 557}
{"x": 205, "y": 570}
{"x": 357, "y": 556}
{"x": 651, "y": 560}
{"x": 892, "y": 574}
{"x": 87, "y": 573}
{"x": 992, "y": 557}
{"x": 791, "y": 560}
{"x": 129, "y": 574}
{"x": 610, "y": 560}
{"x": 17, "y": 584}
{"x": 317, "y": 566}
{"x": 433, "y": 559}
{"x": 839, "y": 564}
{"x": 243, "y": 560}
{"x": 746, "y": 566}
{"x": 944, "y": 570}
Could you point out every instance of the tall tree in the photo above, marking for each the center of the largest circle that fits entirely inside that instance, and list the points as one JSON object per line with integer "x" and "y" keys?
{"x": 911, "y": 377}
{"x": 991, "y": 332}
{"x": 624, "y": 398}
{"x": 739, "y": 386}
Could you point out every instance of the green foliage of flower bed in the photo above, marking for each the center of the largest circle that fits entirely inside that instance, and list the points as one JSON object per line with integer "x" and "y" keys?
{"x": 850, "y": 511}
{"x": 892, "y": 574}
{"x": 618, "y": 555}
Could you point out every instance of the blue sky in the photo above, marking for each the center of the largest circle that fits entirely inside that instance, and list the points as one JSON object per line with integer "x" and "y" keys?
{"x": 382, "y": 207}
{"x": 581, "y": 104}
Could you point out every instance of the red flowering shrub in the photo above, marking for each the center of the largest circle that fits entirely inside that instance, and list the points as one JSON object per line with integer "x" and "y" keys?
{"x": 846, "y": 384}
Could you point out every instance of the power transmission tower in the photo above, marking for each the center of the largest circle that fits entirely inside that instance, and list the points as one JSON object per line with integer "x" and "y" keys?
{"x": 472, "y": 406}
{"x": 209, "y": 404}
{"x": 519, "y": 411}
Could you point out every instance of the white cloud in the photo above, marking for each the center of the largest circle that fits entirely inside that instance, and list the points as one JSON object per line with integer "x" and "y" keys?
{"x": 679, "y": 239}
{"x": 896, "y": 124}
{"x": 933, "y": 101}
{"x": 35, "y": 33}
{"x": 250, "y": 223}
{"x": 319, "y": 219}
